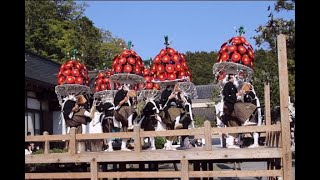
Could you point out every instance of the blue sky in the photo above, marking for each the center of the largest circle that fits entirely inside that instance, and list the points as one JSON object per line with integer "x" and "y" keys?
{"x": 190, "y": 25}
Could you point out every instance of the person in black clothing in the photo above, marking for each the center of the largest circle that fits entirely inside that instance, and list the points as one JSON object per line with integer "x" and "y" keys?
{"x": 124, "y": 105}
{"x": 165, "y": 96}
{"x": 230, "y": 93}
{"x": 77, "y": 112}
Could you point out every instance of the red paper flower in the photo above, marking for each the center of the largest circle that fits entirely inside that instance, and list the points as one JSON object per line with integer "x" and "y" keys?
{"x": 162, "y": 53}
{"x": 157, "y": 60}
{"x": 131, "y": 60}
{"x": 70, "y": 79}
{"x": 172, "y": 76}
{"x": 165, "y": 59}
{"x": 79, "y": 80}
{"x": 245, "y": 60}
{"x": 170, "y": 51}
{"x": 149, "y": 85}
{"x": 225, "y": 56}
{"x": 175, "y": 58}
{"x": 232, "y": 48}
{"x": 242, "y": 49}
{"x": 235, "y": 57}
{"x": 169, "y": 68}
{"x": 127, "y": 68}
{"x": 162, "y": 76}
{"x": 118, "y": 68}
{"x": 122, "y": 60}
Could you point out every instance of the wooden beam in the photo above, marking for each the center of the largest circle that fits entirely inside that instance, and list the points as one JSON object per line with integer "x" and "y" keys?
{"x": 184, "y": 169}
{"x": 284, "y": 103}
{"x": 246, "y": 129}
{"x": 208, "y": 135}
{"x": 235, "y": 173}
{"x": 163, "y": 174}
{"x": 157, "y": 155}
{"x": 94, "y": 169}
{"x": 137, "y": 139}
{"x": 72, "y": 143}
{"x": 64, "y": 175}
{"x": 140, "y": 174}
{"x": 38, "y": 138}
{"x": 199, "y": 132}
{"x": 46, "y": 144}
{"x": 267, "y": 111}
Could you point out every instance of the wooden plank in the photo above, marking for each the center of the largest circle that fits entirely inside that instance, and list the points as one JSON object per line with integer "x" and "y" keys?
{"x": 140, "y": 174}
{"x": 137, "y": 139}
{"x": 196, "y": 131}
{"x": 284, "y": 103}
{"x": 245, "y": 129}
{"x": 43, "y": 138}
{"x": 72, "y": 143}
{"x": 163, "y": 174}
{"x": 267, "y": 111}
{"x": 180, "y": 132}
{"x": 64, "y": 175}
{"x": 208, "y": 135}
{"x": 184, "y": 169}
{"x": 157, "y": 155}
{"x": 235, "y": 173}
{"x": 105, "y": 135}
{"x": 46, "y": 143}
{"x": 94, "y": 169}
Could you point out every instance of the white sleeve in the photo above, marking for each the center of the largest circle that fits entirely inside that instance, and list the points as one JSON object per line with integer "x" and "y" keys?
{"x": 70, "y": 115}
{"x": 86, "y": 113}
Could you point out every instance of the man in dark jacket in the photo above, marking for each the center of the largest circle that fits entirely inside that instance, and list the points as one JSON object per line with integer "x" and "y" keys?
{"x": 230, "y": 93}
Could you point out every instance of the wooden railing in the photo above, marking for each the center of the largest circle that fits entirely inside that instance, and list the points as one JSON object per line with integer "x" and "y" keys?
{"x": 184, "y": 156}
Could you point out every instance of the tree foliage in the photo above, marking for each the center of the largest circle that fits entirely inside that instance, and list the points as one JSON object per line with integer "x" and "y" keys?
{"x": 54, "y": 28}
{"x": 266, "y": 61}
{"x": 200, "y": 65}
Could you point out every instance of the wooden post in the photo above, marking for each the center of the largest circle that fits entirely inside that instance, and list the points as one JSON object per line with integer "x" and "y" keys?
{"x": 208, "y": 135}
{"x": 137, "y": 138}
{"x": 72, "y": 142}
{"x": 46, "y": 143}
{"x": 267, "y": 111}
{"x": 185, "y": 169}
{"x": 284, "y": 98}
{"x": 94, "y": 169}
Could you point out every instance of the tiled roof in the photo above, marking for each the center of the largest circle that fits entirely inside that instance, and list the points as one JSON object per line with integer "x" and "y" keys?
{"x": 40, "y": 68}
{"x": 205, "y": 91}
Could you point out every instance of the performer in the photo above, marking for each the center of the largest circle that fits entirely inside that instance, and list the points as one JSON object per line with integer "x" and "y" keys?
{"x": 124, "y": 104}
{"x": 172, "y": 102}
{"x": 76, "y": 112}
{"x": 230, "y": 93}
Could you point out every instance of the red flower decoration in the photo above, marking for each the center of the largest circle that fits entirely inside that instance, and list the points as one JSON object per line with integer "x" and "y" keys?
{"x": 232, "y": 48}
{"x": 157, "y": 60}
{"x": 131, "y": 60}
{"x": 79, "y": 80}
{"x": 172, "y": 76}
{"x": 242, "y": 49}
{"x": 235, "y": 57}
{"x": 165, "y": 59}
{"x": 225, "y": 56}
{"x": 70, "y": 79}
{"x": 169, "y": 68}
{"x": 127, "y": 68}
{"x": 245, "y": 60}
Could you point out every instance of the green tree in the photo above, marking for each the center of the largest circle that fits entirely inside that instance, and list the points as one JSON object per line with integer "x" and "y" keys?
{"x": 200, "y": 65}
{"x": 266, "y": 62}
{"x": 54, "y": 28}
